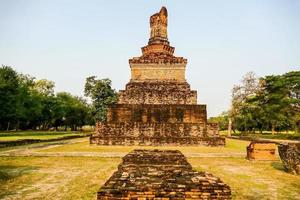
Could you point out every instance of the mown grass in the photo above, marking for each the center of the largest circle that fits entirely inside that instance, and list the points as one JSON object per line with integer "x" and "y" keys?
{"x": 281, "y": 136}
{"x": 12, "y": 136}
{"x": 232, "y": 146}
{"x": 54, "y": 177}
{"x": 291, "y": 135}
{"x": 81, "y": 177}
{"x": 252, "y": 179}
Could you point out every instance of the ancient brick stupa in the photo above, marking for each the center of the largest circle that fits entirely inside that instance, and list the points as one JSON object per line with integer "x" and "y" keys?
{"x": 157, "y": 107}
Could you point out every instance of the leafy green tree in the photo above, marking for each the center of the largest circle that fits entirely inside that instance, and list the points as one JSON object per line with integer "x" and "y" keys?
{"x": 292, "y": 80}
{"x": 280, "y": 98}
{"x": 274, "y": 105}
{"x": 73, "y": 111}
{"x": 222, "y": 120}
{"x": 27, "y": 103}
{"x": 240, "y": 93}
{"x": 44, "y": 87}
{"x": 9, "y": 85}
{"x": 101, "y": 94}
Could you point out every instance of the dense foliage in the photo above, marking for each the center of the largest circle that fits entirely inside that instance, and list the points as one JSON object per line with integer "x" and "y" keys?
{"x": 102, "y": 94}
{"x": 269, "y": 103}
{"x": 222, "y": 120}
{"x": 27, "y": 103}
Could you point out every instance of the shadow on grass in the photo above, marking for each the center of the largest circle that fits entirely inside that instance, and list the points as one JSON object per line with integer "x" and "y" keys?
{"x": 278, "y": 165}
{"x": 8, "y": 172}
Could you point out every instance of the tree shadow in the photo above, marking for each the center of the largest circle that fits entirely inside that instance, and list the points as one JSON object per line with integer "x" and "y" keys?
{"x": 8, "y": 172}
{"x": 278, "y": 165}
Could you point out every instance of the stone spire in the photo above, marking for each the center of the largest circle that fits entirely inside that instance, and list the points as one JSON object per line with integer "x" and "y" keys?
{"x": 158, "y": 49}
{"x": 158, "y": 26}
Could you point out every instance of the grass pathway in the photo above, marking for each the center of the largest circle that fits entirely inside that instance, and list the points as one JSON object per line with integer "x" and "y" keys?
{"x": 74, "y": 169}
{"x": 82, "y": 148}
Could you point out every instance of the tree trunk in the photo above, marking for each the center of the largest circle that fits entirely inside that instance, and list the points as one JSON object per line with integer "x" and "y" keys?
{"x": 229, "y": 127}
{"x": 297, "y": 126}
{"x": 18, "y": 124}
{"x": 8, "y": 123}
{"x": 273, "y": 128}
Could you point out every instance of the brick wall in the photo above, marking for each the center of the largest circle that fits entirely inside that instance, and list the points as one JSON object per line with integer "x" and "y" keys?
{"x": 165, "y": 175}
{"x": 138, "y": 133}
{"x": 157, "y": 113}
{"x": 157, "y": 92}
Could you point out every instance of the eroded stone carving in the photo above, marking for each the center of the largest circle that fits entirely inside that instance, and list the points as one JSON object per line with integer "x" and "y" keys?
{"x": 158, "y": 25}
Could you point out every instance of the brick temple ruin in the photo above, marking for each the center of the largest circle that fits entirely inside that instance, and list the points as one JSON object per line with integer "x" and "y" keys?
{"x": 164, "y": 175}
{"x": 158, "y": 106}
{"x": 261, "y": 150}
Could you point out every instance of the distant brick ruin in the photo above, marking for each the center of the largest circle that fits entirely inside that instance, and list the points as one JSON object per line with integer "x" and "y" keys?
{"x": 164, "y": 175}
{"x": 157, "y": 106}
{"x": 261, "y": 150}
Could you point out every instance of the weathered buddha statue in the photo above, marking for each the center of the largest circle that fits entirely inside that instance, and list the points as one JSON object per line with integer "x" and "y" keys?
{"x": 158, "y": 25}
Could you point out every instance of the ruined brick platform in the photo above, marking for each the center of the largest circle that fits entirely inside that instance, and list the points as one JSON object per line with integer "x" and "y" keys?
{"x": 290, "y": 156}
{"x": 157, "y": 106}
{"x": 261, "y": 150}
{"x": 155, "y": 174}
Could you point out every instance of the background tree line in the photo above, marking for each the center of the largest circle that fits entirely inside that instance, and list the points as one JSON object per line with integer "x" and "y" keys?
{"x": 270, "y": 103}
{"x": 28, "y": 103}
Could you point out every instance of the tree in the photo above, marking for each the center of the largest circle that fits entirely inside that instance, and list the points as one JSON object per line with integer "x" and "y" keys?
{"x": 222, "y": 120}
{"x": 72, "y": 111}
{"x": 292, "y": 80}
{"x": 45, "y": 87}
{"x": 272, "y": 104}
{"x": 27, "y": 103}
{"x": 9, "y": 85}
{"x": 281, "y": 100}
{"x": 240, "y": 93}
{"x": 45, "y": 90}
{"x": 101, "y": 94}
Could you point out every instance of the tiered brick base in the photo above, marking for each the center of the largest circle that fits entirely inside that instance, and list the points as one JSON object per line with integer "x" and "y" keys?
{"x": 157, "y": 124}
{"x": 157, "y": 92}
{"x": 157, "y": 141}
{"x": 154, "y": 174}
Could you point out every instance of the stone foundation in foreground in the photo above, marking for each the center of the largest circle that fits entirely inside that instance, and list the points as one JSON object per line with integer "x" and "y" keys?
{"x": 155, "y": 174}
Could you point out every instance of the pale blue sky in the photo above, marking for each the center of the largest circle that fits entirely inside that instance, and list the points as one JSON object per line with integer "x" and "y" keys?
{"x": 67, "y": 40}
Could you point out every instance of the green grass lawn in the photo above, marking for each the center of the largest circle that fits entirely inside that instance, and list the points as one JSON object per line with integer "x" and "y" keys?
{"x": 232, "y": 146}
{"x": 252, "y": 179}
{"x": 81, "y": 177}
{"x": 54, "y": 178}
{"x": 291, "y": 135}
{"x": 46, "y": 135}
